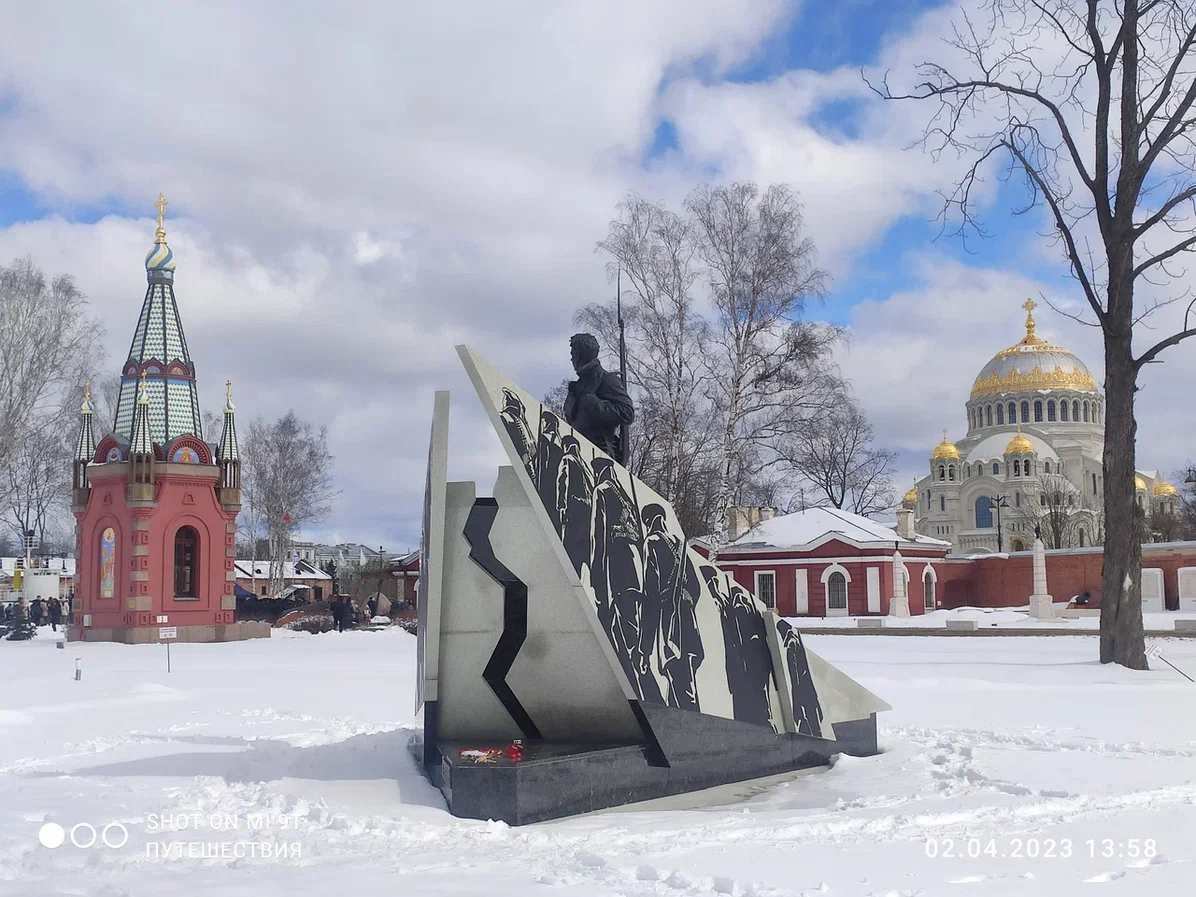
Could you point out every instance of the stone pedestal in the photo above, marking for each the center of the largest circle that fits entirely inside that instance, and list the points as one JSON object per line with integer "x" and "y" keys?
{"x": 1041, "y": 603}
{"x": 899, "y": 603}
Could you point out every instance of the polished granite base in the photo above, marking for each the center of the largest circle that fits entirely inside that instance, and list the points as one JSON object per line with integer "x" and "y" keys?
{"x": 691, "y": 752}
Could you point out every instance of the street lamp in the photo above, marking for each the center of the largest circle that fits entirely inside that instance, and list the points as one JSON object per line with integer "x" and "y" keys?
{"x": 1001, "y": 501}
{"x": 1190, "y": 480}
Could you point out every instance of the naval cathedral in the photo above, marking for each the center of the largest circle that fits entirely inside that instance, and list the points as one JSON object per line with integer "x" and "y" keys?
{"x": 1035, "y": 435}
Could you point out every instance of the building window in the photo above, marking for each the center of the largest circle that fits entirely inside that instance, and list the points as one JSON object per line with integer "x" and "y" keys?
{"x": 1018, "y": 545}
{"x": 1025, "y": 412}
{"x": 951, "y": 473}
{"x": 988, "y": 415}
{"x": 1046, "y": 467}
{"x": 1012, "y": 413}
{"x": 996, "y": 468}
{"x": 1038, "y": 411}
{"x": 1000, "y": 414}
{"x": 1017, "y": 467}
{"x": 1051, "y": 410}
{"x": 1075, "y": 411}
{"x": 942, "y": 502}
{"x": 836, "y": 592}
{"x": 1094, "y": 484}
{"x": 1017, "y": 499}
{"x": 984, "y": 512}
{"x": 186, "y": 563}
{"x": 1063, "y": 411}
{"x": 1081, "y": 538}
{"x": 942, "y": 472}
{"x": 1085, "y": 412}
{"x": 766, "y": 587}
{"x": 928, "y": 589}
{"x": 263, "y": 590}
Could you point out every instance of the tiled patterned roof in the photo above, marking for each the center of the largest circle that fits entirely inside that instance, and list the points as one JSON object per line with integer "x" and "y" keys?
{"x": 160, "y": 348}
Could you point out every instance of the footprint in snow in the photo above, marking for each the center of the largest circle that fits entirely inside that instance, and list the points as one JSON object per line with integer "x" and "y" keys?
{"x": 1104, "y": 877}
{"x": 1156, "y": 860}
{"x": 967, "y": 880}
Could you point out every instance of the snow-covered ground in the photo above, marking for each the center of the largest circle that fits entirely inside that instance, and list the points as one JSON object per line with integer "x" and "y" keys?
{"x": 994, "y": 617}
{"x": 994, "y": 746}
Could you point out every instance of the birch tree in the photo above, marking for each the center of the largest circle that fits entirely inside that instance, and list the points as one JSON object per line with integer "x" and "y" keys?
{"x": 769, "y": 369}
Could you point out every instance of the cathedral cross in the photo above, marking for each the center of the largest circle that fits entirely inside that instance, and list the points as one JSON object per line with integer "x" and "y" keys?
{"x": 160, "y": 205}
{"x": 1029, "y": 305}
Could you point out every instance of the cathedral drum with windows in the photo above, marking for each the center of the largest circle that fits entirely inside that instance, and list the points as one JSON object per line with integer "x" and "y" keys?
{"x": 1030, "y": 461}
{"x": 155, "y": 503}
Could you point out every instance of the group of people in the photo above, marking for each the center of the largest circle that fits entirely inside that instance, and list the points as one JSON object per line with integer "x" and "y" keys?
{"x": 41, "y": 611}
{"x": 346, "y": 614}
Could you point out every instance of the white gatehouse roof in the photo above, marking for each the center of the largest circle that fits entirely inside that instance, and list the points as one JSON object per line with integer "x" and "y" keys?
{"x": 814, "y": 526}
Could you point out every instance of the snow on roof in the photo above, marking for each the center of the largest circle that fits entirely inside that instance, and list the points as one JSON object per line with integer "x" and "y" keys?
{"x": 806, "y": 527}
{"x": 290, "y": 570}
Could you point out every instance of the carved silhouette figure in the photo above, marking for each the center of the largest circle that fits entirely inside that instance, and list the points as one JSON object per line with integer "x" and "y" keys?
{"x": 514, "y": 420}
{"x": 807, "y": 711}
{"x": 548, "y": 462}
{"x": 573, "y": 501}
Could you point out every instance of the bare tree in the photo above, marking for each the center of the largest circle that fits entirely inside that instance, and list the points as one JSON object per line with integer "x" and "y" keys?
{"x": 1089, "y": 105}
{"x": 768, "y": 367}
{"x": 48, "y": 346}
{"x": 1054, "y": 510}
{"x": 836, "y": 458}
{"x": 105, "y": 393}
{"x": 287, "y": 481}
{"x": 37, "y": 482}
{"x": 655, "y": 249}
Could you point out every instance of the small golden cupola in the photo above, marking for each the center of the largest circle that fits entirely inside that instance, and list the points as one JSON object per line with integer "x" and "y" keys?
{"x": 1019, "y": 444}
{"x": 910, "y": 499}
{"x": 1162, "y": 487}
{"x": 944, "y": 451}
{"x": 1139, "y": 484}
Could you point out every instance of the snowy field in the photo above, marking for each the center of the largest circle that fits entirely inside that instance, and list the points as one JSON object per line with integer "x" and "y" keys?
{"x": 994, "y": 618}
{"x": 295, "y": 747}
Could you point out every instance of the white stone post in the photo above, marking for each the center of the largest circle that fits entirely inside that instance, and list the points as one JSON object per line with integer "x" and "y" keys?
{"x": 899, "y": 604}
{"x": 1041, "y": 603}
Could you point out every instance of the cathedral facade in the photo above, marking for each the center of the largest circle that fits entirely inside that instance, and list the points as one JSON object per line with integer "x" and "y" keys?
{"x": 1030, "y": 461}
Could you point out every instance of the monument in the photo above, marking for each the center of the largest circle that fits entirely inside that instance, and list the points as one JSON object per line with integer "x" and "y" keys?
{"x": 1041, "y": 604}
{"x": 575, "y": 653}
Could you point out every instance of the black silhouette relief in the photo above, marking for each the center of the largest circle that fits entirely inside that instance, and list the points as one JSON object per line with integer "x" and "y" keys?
{"x": 748, "y": 660}
{"x": 514, "y": 420}
{"x": 548, "y": 462}
{"x": 574, "y": 503}
{"x": 807, "y": 711}
{"x": 648, "y": 588}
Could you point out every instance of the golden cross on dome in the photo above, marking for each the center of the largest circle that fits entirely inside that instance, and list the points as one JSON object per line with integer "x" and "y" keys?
{"x": 944, "y": 434}
{"x": 87, "y": 390}
{"x": 228, "y": 389}
{"x": 1029, "y": 305}
{"x": 160, "y": 205}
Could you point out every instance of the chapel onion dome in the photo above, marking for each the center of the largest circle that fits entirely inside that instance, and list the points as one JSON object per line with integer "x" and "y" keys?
{"x": 1019, "y": 445}
{"x": 1033, "y": 364}
{"x": 1139, "y": 484}
{"x": 910, "y": 498}
{"x": 160, "y": 258}
{"x": 944, "y": 451}
{"x": 1163, "y": 488}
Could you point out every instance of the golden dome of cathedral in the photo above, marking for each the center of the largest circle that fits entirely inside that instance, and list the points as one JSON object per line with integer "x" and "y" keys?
{"x": 1162, "y": 488}
{"x": 1032, "y": 363}
{"x": 1139, "y": 483}
{"x": 1019, "y": 445}
{"x": 944, "y": 451}
{"x": 911, "y": 497}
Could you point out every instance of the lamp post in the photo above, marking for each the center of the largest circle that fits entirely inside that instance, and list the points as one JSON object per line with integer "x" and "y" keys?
{"x": 1001, "y": 501}
{"x": 1190, "y": 479}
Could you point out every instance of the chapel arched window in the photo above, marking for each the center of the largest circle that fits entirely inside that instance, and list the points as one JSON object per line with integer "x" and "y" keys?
{"x": 1075, "y": 411}
{"x": 1046, "y": 467}
{"x": 1085, "y": 412}
{"x": 1081, "y": 538}
{"x": 951, "y": 473}
{"x": 1017, "y": 499}
{"x": 1012, "y": 413}
{"x": 988, "y": 415}
{"x": 1063, "y": 410}
{"x": 1000, "y": 415}
{"x": 984, "y": 512}
{"x": 1025, "y": 412}
{"x": 836, "y": 591}
{"x": 1017, "y": 467}
{"x": 1051, "y": 410}
{"x": 996, "y": 468}
{"x": 942, "y": 472}
{"x": 186, "y": 563}
{"x": 942, "y": 502}
{"x": 1038, "y": 411}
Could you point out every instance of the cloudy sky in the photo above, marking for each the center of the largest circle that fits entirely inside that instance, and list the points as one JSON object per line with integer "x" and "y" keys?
{"x": 356, "y": 187}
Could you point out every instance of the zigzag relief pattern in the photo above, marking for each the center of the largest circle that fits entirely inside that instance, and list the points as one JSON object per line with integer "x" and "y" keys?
{"x": 477, "y": 534}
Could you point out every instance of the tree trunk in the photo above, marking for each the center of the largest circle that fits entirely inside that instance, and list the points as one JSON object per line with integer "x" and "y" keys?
{"x": 1121, "y": 635}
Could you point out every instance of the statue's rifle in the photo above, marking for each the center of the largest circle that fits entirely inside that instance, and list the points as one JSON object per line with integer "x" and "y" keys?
{"x": 623, "y": 435}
